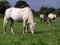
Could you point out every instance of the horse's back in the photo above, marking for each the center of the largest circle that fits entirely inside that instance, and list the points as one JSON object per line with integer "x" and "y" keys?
{"x": 17, "y": 13}
{"x": 51, "y": 16}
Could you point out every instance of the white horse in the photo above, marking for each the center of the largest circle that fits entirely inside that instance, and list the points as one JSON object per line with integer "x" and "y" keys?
{"x": 42, "y": 18}
{"x": 51, "y": 18}
{"x": 17, "y": 14}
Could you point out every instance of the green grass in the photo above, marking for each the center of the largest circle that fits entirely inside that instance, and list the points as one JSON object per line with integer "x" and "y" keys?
{"x": 44, "y": 34}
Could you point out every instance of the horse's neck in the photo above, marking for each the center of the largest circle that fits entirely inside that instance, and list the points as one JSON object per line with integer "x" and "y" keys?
{"x": 30, "y": 16}
{"x": 30, "y": 19}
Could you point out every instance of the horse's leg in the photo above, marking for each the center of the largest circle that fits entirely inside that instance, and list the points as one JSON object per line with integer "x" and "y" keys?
{"x": 12, "y": 22}
{"x": 24, "y": 26}
{"x": 27, "y": 24}
{"x": 54, "y": 21}
{"x": 44, "y": 19}
{"x": 49, "y": 22}
{"x": 5, "y": 25}
{"x": 41, "y": 20}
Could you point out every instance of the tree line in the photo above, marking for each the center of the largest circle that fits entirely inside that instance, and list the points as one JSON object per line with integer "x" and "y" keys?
{"x": 21, "y": 4}
{"x": 47, "y": 10}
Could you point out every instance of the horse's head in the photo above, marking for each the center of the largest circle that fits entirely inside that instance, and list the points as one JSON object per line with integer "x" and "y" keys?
{"x": 32, "y": 26}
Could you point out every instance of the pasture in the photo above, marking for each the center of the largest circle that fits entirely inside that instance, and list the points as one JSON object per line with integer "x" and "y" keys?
{"x": 44, "y": 34}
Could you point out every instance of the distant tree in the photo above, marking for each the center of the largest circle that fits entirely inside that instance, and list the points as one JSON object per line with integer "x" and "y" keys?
{"x": 21, "y": 4}
{"x": 35, "y": 13}
{"x": 46, "y": 10}
{"x": 51, "y": 10}
{"x": 3, "y": 6}
{"x": 57, "y": 12}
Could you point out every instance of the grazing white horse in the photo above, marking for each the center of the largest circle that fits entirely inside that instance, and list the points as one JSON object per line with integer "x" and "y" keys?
{"x": 42, "y": 18}
{"x": 17, "y": 14}
{"x": 51, "y": 18}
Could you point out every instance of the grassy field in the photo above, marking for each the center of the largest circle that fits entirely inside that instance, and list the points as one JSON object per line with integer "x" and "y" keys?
{"x": 44, "y": 34}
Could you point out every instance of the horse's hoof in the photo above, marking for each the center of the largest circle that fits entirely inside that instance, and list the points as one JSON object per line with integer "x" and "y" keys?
{"x": 32, "y": 32}
{"x": 23, "y": 32}
{"x": 13, "y": 33}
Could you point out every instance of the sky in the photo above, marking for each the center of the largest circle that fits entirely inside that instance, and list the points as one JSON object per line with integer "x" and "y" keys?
{"x": 2, "y": 0}
{"x": 37, "y": 4}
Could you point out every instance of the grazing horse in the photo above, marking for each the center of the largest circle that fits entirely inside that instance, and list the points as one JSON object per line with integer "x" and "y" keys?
{"x": 42, "y": 18}
{"x": 51, "y": 18}
{"x": 18, "y": 14}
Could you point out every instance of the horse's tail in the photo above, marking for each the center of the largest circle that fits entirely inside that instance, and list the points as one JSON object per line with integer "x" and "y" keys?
{"x": 5, "y": 24}
{"x": 6, "y": 17}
